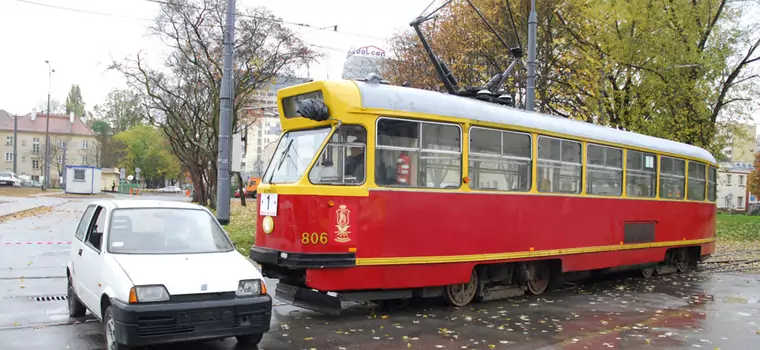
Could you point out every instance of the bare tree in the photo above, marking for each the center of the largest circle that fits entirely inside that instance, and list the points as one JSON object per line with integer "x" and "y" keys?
{"x": 183, "y": 96}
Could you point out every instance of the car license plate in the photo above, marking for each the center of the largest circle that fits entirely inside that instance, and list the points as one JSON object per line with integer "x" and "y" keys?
{"x": 206, "y": 316}
{"x": 3, "y": 182}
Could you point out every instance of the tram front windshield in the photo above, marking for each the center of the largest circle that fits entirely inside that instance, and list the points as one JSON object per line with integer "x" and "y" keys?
{"x": 293, "y": 155}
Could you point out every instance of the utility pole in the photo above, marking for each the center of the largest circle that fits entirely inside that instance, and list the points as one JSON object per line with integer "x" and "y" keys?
{"x": 15, "y": 144}
{"x": 46, "y": 183}
{"x": 531, "y": 89}
{"x": 63, "y": 164}
{"x": 225, "y": 121}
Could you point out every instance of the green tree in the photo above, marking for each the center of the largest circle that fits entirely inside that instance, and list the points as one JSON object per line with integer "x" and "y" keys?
{"x": 122, "y": 109}
{"x": 146, "y": 147}
{"x": 74, "y": 102}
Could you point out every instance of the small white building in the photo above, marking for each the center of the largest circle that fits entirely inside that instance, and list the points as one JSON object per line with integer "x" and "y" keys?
{"x": 732, "y": 186}
{"x": 82, "y": 179}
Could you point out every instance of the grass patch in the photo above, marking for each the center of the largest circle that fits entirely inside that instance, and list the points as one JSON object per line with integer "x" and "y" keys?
{"x": 738, "y": 227}
{"x": 242, "y": 226}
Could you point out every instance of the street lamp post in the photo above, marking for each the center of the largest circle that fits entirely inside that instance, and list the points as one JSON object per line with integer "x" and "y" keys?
{"x": 46, "y": 183}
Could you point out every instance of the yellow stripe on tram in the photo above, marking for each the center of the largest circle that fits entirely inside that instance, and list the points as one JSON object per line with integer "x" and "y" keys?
{"x": 522, "y": 255}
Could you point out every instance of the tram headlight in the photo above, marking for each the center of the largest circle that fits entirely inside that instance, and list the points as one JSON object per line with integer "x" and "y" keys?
{"x": 267, "y": 224}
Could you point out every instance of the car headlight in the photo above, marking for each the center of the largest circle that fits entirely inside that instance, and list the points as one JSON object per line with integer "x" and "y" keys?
{"x": 267, "y": 224}
{"x": 251, "y": 287}
{"x": 147, "y": 294}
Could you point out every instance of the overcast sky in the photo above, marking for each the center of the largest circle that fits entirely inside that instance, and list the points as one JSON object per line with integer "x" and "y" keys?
{"x": 80, "y": 45}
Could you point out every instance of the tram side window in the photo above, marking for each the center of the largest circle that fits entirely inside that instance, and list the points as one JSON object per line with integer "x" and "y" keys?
{"x": 604, "y": 169}
{"x": 559, "y": 165}
{"x": 672, "y": 176}
{"x": 697, "y": 179}
{"x": 342, "y": 161}
{"x": 712, "y": 185}
{"x": 499, "y": 160}
{"x": 418, "y": 154}
{"x": 641, "y": 174}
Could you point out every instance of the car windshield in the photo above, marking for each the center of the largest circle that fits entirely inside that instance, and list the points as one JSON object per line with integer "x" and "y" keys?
{"x": 165, "y": 231}
{"x": 5, "y": 174}
{"x": 293, "y": 155}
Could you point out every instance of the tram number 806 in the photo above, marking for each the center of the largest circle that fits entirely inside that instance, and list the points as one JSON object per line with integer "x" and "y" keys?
{"x": 314, "y": 238}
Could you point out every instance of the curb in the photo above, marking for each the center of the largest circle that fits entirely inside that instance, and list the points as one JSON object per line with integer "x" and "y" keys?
{"x": 42, "y": 208}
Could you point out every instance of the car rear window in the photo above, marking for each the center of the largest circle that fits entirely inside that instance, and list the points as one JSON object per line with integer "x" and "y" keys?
{"x": 165, "y": 231}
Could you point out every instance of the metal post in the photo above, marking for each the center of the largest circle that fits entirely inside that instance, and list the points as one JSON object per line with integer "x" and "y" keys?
{"x": 225, "y": 121}
{"x": 46, "y": 183}
{"x": 63, "y": 164}
{"x": 531, "y": 89}
{"x": 15, "y": 144}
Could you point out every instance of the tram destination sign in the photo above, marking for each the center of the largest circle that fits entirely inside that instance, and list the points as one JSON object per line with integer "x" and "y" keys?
{"x": 290, "y": 103}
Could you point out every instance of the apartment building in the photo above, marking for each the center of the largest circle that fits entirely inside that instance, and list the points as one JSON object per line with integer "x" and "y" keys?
{"x": 742, "y": 144}
{"x": 264, "y": 129}
{"x": 72, "y": 143}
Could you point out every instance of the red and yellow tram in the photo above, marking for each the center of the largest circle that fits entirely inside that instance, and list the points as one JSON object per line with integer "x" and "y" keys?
{"x": 382, "y": 192}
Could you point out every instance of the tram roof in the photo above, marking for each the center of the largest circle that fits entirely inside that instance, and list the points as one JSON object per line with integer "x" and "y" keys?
{"x": 391, "y": 97}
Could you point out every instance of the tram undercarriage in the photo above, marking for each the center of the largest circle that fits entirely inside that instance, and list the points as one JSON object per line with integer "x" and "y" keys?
{"x": 487, "y": 282}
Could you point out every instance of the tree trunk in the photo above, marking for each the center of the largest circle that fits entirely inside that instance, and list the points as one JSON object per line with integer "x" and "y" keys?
{"x": 240, "y": 188}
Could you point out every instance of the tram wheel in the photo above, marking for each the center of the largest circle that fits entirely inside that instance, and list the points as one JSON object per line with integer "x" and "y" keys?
{"x": 647, "y": 272}
{"x": 681, "y": 260}
{"x": 462, "y": 294}
{"x": 538, "y": 278}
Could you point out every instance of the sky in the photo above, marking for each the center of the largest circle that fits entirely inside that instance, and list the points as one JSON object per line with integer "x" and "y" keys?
{"x": 80, "y": 44}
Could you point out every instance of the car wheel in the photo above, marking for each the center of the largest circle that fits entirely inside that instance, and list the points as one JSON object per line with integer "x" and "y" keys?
{"x": 109, "y": 329}
{"x": 249, "y": 339}
{"x": 76, "y": 308}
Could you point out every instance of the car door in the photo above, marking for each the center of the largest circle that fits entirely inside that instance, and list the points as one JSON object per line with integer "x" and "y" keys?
{"x": 77, "y": 245}
{"x": 88, "y": 274}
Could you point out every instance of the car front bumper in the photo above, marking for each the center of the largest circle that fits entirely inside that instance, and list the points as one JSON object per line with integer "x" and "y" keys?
{"x": 170, "y": 322}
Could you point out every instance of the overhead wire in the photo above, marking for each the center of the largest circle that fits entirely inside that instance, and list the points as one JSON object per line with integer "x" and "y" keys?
{"x": 280, "y": 20}
{"x": 331, "y": 28}
{"x": 514, "y": 27}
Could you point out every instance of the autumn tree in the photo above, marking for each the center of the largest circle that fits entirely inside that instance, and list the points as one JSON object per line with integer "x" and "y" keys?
{"x": 182, "y": 97}
{"x": 753, "y": 180}
{"x": 146, "y": 147}
{"x": 678, "y": 70}
{"x": 475, "y": 54}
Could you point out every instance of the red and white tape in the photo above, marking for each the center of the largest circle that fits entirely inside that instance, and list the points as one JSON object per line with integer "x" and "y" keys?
{"x": 34, "y": 242}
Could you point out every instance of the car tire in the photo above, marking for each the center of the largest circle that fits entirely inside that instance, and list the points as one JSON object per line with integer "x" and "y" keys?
{"x": 76, "y": 308}
{"x": 249, "y": 339}
{"x": 109, "y": 331}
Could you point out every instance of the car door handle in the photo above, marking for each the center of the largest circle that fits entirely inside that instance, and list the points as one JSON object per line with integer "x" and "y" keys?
{"x": 80, "y": 252}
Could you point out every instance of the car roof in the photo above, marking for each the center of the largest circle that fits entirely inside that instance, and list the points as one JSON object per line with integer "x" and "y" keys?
{"x": 141, "y": 203}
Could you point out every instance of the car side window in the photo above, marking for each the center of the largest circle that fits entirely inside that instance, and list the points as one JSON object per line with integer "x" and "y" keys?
{"x": 95, "y": 235}
{"x": 84, "y": 223}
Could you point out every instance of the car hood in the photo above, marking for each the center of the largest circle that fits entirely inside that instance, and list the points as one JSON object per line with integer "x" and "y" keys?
{"x": 189, "y": 273}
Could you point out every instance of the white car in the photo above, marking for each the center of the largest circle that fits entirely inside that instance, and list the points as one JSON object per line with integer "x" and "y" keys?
{"x": 156, "y": 272}
{"x": 9, "y": 179}
{"x": 170, "y": 189}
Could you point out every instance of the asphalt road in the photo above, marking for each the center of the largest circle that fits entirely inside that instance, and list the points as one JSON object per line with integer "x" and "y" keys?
{"x": 698, "y": 310}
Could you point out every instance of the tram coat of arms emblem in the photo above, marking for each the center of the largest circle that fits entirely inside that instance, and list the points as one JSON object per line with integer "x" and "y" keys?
{"x": 343, "y": 220}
